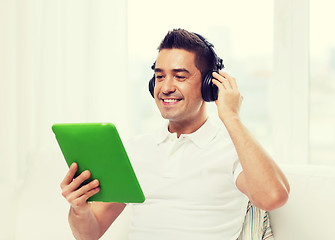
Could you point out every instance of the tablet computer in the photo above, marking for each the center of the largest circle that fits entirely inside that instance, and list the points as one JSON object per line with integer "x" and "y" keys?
{"x": 97, "y": 147}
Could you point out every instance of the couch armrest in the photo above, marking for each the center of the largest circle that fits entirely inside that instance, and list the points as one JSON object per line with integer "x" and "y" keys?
{"x": 309, "y": 212}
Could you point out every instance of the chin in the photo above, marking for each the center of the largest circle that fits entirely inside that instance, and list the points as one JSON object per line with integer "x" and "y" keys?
{"x": 170, "y": 116}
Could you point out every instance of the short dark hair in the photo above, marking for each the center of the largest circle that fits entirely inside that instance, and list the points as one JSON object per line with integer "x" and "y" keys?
{"x": 205, "y": 60}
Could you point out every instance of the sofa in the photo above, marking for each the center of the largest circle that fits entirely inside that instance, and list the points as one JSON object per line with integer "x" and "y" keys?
{"x": 34, "y": 209}
{"x": 309, "y": 212}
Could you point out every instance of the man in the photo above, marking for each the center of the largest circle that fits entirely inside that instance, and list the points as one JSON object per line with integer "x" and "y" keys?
{"x": 197, "y": 177}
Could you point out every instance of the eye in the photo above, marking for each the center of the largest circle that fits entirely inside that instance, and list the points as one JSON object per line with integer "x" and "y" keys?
{"x": 180, "y": 77}
{"x": 159, "y": 77}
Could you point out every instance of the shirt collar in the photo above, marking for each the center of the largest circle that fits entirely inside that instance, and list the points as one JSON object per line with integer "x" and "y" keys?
{"x": 201, "y": 137}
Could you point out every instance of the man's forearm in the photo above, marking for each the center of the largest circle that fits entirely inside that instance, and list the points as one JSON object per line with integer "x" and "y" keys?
{"x": 84, "y": 224}
{"x": 263, "y": 176}
{"x": 261, "y": 180}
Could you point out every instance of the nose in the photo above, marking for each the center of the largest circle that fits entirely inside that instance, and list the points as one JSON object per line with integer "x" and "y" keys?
{"x": 168, "y": 86}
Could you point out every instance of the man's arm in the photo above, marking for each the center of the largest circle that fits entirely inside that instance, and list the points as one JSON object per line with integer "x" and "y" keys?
{"x": 87, "y": 220}
{"x": 261, "y": 180}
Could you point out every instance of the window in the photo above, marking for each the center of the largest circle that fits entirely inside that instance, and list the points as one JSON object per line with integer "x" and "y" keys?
{"x": 322, "y": 83}
{"x": 242, "y": 36}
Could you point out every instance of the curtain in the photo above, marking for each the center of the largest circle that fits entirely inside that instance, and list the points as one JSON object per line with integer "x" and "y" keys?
{"x": 60, "y": 61}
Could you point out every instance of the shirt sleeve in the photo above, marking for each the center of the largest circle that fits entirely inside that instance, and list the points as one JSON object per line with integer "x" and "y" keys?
{"x": 237, "y": 170}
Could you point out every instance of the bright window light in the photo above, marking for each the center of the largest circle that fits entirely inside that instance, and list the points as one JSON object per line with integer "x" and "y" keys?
{"x": 322, "y": 83}
{"x": 242, "y": 36}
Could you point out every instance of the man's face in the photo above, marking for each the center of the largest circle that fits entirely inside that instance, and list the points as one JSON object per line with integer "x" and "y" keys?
{"x": 178, "y": 86}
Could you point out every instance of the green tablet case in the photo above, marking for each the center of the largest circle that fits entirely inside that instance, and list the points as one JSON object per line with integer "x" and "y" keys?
{"x": 98, "y": 148}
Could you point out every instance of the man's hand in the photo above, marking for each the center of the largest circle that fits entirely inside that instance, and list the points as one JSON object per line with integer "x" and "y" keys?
{"x": 76, "y": 196}
{"x": 261, "y": 180}
{"x": 229, "y": 99}
{"x": 87, "y": 220}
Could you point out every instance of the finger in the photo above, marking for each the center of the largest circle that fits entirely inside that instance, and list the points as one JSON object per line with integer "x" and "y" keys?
{"x": 80, "y": 201}
{"x": 226, "y": 84}
{"x": 90, "y": 193}
{"x": 233, "y": 83}
{"x": 75, "y": 184}
{"x": 70, "y": 174}
{"x": 224, "y": 74}
{"x": 83, "y": 190}
{"x": 231, "y": 79}
{"x": 217, "y": 83}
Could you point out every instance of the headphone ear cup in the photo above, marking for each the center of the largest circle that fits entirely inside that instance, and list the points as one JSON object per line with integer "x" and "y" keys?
{"x": 209, "y": 90}
{"x": 152, "y": 86}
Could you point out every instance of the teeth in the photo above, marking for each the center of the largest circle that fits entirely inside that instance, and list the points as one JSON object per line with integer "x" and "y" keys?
{"x": 170, "y": 100}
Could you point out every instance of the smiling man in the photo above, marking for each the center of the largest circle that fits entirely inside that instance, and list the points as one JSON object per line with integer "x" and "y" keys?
{"x": 178, "y": 90}
{"x": 197, "y": 177}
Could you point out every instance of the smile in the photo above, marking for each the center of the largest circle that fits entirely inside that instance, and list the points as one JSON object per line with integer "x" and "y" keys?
{"x": 170, "y": 101}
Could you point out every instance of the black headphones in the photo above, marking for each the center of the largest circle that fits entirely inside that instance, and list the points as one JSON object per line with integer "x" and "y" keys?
{"x": 209, "y": 91}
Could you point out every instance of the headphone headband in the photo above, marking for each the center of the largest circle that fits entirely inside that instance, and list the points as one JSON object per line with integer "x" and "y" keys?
{"x": 218, "y": 61}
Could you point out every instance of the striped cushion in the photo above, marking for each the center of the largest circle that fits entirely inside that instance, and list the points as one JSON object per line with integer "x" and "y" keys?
{"x": 256, "y": 225}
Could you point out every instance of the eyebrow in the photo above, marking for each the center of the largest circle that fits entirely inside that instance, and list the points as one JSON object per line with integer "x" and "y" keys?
{"x": 176, "y": 70}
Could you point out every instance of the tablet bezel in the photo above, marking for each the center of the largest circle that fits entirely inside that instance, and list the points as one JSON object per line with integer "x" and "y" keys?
{"x": 97, "y": 147}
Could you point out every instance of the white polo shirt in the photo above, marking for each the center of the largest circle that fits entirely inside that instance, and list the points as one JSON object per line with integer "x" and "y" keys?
{"x": 189, "y": 185}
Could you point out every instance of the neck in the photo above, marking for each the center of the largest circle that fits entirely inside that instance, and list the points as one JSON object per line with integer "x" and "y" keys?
{"x": 187, "y": 126}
